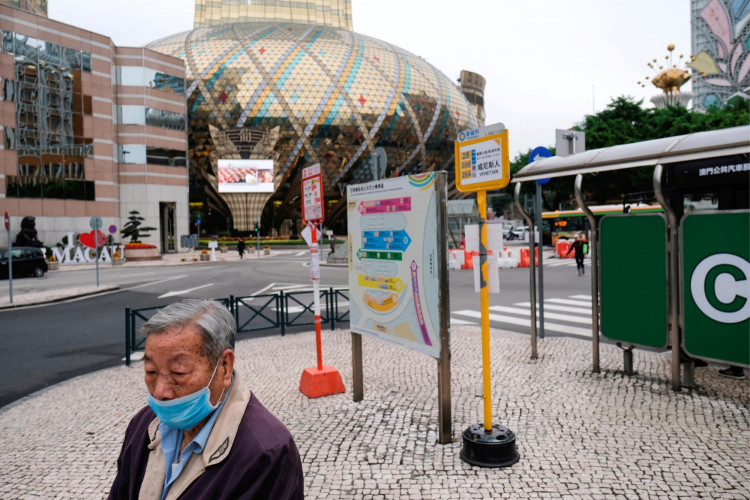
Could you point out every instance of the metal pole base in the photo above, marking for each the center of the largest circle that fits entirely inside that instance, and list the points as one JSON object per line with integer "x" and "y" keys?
{"x": 688, "y": 375}
{"x": 495, "y": 448}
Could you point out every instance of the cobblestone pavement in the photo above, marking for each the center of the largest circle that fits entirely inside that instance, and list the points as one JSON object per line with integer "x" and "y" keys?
{"x": 580, "y": 435}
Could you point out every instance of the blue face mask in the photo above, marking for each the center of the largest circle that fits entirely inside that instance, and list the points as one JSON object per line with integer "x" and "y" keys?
{"x": 186, "y": 412}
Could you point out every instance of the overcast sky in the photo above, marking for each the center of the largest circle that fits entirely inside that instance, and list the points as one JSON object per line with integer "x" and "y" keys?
{"x": 548, "y": 63}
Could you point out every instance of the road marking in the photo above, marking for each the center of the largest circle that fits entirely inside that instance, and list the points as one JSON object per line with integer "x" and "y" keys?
{"x": 157, "y": 282}
{"x": 547, "y": 315}
{"x": 552, "y": 327}
{"x": 456, "y": 321}
{"x": 553, "y": 307}
{"x": 570, "y": 302}
{"x": 300, "y": 254}
{"x": 582, "y": 297}
{"x": 183, "y": 292}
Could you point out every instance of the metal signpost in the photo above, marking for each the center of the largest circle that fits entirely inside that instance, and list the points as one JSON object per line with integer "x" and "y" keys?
{"x": 321, "y": 380}
{"x": 715, "y": 275}
{"x": 95, "y": 223}
{"x": 538, "y": 154}
{"x": 10, "y": 258}
{"x": 482, "y": 164}
{"x": 398, "y": 274}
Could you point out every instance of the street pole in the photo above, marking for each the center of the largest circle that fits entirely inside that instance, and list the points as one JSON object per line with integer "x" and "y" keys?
{"x": 540, "y": 288}
{"x": 10, "y": 259}
{"x": 314, "y": 260}
{"x": 257, "y": 235}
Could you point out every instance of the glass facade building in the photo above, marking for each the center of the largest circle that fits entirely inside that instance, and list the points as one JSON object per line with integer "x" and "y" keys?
{"x": 721, "y": 46}
{"x": 325, "y": 94}
{"x": 88, "y": 129}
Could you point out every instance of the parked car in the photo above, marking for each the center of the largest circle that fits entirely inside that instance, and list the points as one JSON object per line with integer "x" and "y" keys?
{"x": 27, "y": 261}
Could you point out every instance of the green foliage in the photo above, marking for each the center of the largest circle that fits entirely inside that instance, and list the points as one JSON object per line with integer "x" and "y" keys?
{"x": 134, "y": 228}
{"x": 625, "y": 121}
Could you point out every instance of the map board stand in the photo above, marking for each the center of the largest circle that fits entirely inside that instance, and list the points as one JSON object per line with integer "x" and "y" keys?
{"x": 423, "y": 224}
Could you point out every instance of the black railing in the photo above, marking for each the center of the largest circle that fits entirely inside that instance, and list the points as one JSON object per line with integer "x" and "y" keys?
{"x": 256, "y": 313}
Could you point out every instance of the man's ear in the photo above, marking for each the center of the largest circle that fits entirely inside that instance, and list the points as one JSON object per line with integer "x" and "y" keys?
{"x": 227, "y": 364}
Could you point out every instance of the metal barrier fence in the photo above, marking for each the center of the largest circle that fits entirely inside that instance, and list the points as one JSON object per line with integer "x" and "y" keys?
{"x": 255, "y": 313}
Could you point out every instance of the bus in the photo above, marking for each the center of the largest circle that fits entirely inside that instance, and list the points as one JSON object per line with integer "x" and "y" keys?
{"x": 566, "y": 223}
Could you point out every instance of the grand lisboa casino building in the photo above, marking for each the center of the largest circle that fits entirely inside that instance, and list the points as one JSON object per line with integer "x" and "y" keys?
{"x": 302, "y": 94}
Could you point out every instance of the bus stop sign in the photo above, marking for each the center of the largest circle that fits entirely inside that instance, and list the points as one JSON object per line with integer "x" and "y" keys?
{"x": 716, "y": 286}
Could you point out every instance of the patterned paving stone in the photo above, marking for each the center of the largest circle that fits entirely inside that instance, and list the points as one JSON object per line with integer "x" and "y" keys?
{"x": 580, "y": 435}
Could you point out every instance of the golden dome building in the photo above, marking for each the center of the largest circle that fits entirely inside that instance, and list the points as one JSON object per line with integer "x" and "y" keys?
{"x": 277, "y": 86}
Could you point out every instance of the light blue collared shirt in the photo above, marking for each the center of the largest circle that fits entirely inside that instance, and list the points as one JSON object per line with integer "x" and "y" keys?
{"x": 170, "y": 444}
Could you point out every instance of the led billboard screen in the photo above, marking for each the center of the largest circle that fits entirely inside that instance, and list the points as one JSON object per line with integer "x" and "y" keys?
{"x": 246, "y": 176}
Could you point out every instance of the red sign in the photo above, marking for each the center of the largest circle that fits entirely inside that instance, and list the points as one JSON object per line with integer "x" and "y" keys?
{"x": 93, "y": 239}
{"x": 7, "y": 221}
{"x": 312, "y": 194}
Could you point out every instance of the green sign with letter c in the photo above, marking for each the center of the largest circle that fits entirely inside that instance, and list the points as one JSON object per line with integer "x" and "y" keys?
{"x": 716, "y": 285}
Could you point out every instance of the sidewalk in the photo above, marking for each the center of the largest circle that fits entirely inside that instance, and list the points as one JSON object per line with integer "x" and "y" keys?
{"x": 580, "y": 435}
{"x": 23, "y": 299}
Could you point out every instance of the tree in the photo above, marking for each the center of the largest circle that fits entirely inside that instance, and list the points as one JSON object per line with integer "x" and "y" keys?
{"x": 134, "y": 230}
{"x": 625, "y": 121}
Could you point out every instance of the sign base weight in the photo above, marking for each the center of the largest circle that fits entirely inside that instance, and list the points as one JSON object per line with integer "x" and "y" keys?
{"x": 316, "y": 383}
{"x": 494, "y": 448}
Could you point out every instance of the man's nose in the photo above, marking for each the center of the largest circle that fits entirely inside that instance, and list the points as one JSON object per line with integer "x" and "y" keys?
{"x": 163, "y": 390}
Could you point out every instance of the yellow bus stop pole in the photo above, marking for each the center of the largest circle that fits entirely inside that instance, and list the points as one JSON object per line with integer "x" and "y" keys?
{"x": 484, "y": 294}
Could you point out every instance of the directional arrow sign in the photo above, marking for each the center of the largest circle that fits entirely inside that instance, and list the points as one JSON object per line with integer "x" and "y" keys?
{"x": 371, "y": 254}
{"x": 385, "y": 240}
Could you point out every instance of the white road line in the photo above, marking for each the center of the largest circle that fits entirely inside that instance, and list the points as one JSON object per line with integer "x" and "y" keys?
{"x": 157, "y": 282}
{"x": 547, "y": 315}
{"x": 582, "y": 297}
{"x": 553, "y": 307}
{"x": 552, "y": 327}
{"x": 183, "y": 292}
{"x": 456, "y": 321}
{"x": 570, "y": 302}
{"x": 300, "y": 254}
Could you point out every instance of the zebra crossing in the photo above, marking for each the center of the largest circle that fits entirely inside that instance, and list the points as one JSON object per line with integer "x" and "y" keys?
{"x": 559, "y": 262}
{"x": 570, "y": 316}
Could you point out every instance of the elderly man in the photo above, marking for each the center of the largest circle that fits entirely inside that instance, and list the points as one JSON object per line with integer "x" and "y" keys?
{"x": 203, "y": 434}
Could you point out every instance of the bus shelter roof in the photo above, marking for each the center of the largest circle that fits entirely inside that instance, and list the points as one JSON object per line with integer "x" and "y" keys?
{"x": 696, "y": 146}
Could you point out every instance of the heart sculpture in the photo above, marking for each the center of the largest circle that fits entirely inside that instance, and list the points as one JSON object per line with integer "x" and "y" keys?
{"x": 91, "y": 239}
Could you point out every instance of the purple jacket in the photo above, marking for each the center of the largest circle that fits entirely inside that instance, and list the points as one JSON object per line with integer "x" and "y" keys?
{"x": 249, "y": 454}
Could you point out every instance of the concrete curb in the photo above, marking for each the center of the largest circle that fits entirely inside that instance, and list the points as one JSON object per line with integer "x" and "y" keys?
{"x": 47, "y": 297}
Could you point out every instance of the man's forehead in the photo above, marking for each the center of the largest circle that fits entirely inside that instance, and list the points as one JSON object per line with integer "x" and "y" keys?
{"x": 177, "y": 342}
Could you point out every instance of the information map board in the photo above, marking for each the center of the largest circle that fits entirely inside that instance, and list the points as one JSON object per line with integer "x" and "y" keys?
{"x": 393, "y": 261}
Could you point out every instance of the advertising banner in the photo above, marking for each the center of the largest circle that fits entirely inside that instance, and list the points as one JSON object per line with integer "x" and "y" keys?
{"x": 393, "y": 261}
{"x": 245, "y": 176}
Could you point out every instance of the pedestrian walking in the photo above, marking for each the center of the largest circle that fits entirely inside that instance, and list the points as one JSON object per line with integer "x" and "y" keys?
{"x": 578, "y": 248}
{"x": 241, "y": 247}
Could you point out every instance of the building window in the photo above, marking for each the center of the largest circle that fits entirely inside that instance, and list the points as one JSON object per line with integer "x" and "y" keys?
{"x": 56, "y": 180}
{"x": 132, "y": 153}
{"x": 165, "y": 119}
{"x": 162, "y": 156}
{"x": 137, "y": 76}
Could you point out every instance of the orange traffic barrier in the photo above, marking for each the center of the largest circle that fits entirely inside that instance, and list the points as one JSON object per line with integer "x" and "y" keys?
{"x": 469, "y": 259}
{"x": 561, "y": 249}
{"x": 525, "y": 257}
{"x": 323, "y": 381}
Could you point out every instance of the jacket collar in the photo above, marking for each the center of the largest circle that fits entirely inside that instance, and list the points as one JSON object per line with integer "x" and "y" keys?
{"x": 217, "y": 448}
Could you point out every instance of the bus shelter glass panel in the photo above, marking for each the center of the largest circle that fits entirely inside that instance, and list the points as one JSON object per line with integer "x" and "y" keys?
{"x": 634, "y": 299}
{"x": 715, "y": 268}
